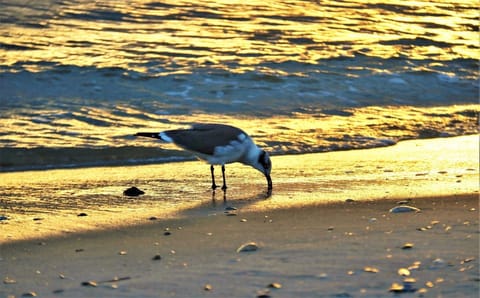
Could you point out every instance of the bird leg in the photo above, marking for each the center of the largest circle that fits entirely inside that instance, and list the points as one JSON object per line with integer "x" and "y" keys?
{"x": 213, "y": 178}
{"x": 224, "y": 187}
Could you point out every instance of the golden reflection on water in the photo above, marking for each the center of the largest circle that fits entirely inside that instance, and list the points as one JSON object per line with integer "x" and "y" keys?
{"x": 82, "y": 140}
{"x": 191, "y": 33}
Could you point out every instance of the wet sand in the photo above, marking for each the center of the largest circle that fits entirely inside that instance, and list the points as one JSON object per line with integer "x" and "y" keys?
{"x": 325, "y": 232}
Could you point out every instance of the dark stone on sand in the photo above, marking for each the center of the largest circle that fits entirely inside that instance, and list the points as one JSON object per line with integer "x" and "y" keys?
{"x": 29, "y": 294}
{"x": 3, "y": 217}
{"x": 152, "y": 218}
{"x": 157, "y": 257}
{"x": 82, "y": 214}
{"x": 133, "y": 192}
{"x": 167, "y": 233}
{"x": 37, "y": 218}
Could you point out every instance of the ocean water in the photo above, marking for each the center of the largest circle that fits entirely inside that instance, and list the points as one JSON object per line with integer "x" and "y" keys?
{"x": 79, "y": 78}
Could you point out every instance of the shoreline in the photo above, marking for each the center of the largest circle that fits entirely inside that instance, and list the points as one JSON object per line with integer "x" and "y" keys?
{"x": 299, "y": 133}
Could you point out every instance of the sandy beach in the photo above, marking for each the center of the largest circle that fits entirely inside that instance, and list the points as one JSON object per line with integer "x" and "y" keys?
{"x": 326, "y": 231}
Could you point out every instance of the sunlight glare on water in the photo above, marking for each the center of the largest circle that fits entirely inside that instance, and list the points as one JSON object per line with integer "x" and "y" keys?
{"x": 178, "y": 36}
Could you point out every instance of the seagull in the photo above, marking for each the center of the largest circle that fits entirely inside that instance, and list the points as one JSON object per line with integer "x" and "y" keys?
{"x": 218, "y": 144}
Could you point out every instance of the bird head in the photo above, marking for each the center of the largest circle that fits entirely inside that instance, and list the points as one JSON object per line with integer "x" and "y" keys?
{"x": 264, "y": 165}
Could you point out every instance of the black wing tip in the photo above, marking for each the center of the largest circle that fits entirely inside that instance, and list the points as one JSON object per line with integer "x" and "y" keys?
{"x": 148, "y": 135}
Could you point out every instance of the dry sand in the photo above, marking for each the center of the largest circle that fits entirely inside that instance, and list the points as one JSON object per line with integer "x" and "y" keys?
{"x": 335, "y": 250}
{"x": 325, "y": 232}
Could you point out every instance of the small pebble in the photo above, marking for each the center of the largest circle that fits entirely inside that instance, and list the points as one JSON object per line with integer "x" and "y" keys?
{"x": 438, "y": 262}
{"x": 9, "y": 281}
{"x": 421, "y": 292}
{"x": 90, "y": 283}
{"x": 29, "y": 294}
{"x": 403, "y": 272}
{"x": 122, "y": 252}
{"x": 275, "y": 285}
{"x": 407, "y": 245}
{"x": 415, "y": 265}
{"x": 323, "y": 276}
{"x": 396, "y": 288}
{"x": 167, "y": 233}
{"x": 349, "y": 200}
{"x": 243, "y": 220}
{"x": 82, "y": 214}
{"x": 371, "y": 269}
{"x": 248, "y": 247}
{"x": 404, "y": 208}
{"x": 37, "y": 218}
{"x": 207, "y": 287}
{"x": 152, "y": 218}
{"x": 467, "y": 260}
{"x": 133, "y": 192}
{"x": 157, "y": 257}
{"x": 229, "y": 208}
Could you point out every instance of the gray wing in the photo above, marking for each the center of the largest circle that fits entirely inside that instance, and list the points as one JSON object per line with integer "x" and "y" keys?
{"x": 203, "y": 138}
